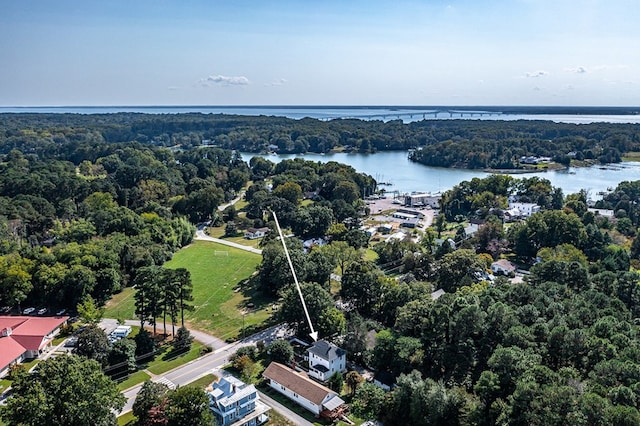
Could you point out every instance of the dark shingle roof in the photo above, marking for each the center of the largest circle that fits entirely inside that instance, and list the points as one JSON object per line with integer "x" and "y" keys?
{"x": 327, "y": 350}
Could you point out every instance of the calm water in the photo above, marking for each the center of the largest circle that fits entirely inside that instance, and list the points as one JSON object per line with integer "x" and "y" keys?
{"x": 406, "y": 176}
{"x": 406, "y": 114}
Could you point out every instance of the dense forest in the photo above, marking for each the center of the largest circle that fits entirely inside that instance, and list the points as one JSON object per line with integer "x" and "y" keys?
{"x": 445, "y": 143}
{"x": 84, "y": 209}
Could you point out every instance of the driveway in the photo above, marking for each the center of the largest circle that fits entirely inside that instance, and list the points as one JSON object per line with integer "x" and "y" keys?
{"x": 200, "y": 235}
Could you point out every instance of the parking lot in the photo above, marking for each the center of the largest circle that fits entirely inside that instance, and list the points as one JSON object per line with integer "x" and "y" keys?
{"x": 387, "y": 204}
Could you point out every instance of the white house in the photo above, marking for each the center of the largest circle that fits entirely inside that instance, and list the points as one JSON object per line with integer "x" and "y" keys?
{"x": 526, "y": 209}
{"x": 302, "y": 390}
{"x": 325, "y": 359}
{"x": 234, "y": 403}
{"x": 503, "y": 266}
{"x": 255, "y": 233}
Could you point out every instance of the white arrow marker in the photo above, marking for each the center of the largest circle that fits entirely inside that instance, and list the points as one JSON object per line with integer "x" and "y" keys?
{"x": 313, "y": 334}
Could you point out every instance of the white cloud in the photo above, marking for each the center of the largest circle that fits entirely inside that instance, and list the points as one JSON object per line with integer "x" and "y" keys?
{"x": 278, "y": 82}
{"x": 536, "y": 74}
{"x": 577, "y": 70}
{"x": 224, "y": 80}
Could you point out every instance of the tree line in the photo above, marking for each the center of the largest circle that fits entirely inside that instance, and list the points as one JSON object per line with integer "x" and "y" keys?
{"x": 445, "y": 143}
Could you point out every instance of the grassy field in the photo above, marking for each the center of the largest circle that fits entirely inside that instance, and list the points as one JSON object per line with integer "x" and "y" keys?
{"x": 121, "y": 306}
{"x": 216, "y": 271}
{"x": 133, "y": 379}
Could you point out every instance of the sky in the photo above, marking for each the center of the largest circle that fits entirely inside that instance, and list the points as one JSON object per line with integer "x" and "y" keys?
{"x": 329, "y": 52}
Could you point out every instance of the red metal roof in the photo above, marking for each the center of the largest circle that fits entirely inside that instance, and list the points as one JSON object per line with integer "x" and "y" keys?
{"x": 27, "y": 333}
{"x": 10, "y": 350}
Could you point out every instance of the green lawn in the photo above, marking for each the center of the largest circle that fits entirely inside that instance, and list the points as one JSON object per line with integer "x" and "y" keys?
{"x": 216, "y": 270}
{"x": 127, "y": 419}
{"x": 133, "y": 379}
{"x": 168, "y": 361}
{"x": 121, "y": 306}
{"x": 203, "y": 381}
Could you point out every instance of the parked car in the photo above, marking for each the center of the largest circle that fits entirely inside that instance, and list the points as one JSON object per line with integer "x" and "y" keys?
{"x": 61, "y": 312}
{"x": 42, "y": 311}
{"x": 71, "y": 342}
{"x": 28, "y": 311}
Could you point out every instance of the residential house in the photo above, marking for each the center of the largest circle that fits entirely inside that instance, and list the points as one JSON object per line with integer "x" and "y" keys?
{"x": 255, "y": 233}
{"x": 384, "y": 380}
{"x": 302, "y": 390}
{"x": 503, "y": 266}
{"x": 325, "y": 359}
{"x": 526, "y": 209}
{"x": 234, "y": 403}
{"x": 23, "y": 337}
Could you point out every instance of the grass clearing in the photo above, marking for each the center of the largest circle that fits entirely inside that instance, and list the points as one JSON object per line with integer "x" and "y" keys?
{"x": 216, "y": 271}
{"x": 133, "y": 379}
{"x": 127, "y": 419}
{"x": 218, "y": 308}
{"x": 169, "y": 360}
{"x": 121, "y": 305}
{"x": 203, "y": 381}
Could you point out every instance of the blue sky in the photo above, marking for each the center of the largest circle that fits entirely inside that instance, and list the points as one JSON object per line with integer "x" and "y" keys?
{"x": 375, "y": 52}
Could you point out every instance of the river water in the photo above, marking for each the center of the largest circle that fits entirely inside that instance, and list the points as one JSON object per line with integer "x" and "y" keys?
{"x": 406, "y": 114}
{"x": 395, "y": 167}
{"x": 405, "y": 176}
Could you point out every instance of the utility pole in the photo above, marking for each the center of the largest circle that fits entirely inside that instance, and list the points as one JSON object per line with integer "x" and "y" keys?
{"x": 313, "y": 334}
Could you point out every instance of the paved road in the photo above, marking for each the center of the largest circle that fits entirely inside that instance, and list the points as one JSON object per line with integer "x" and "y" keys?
{"x": 207, "y": 364}
{"x": 200, "y": 235}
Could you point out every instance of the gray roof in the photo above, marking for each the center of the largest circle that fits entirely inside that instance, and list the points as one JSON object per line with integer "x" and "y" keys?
{"x": 327, "y": 350}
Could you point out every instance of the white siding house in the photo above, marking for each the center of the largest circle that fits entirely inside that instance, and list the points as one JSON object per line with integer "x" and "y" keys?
{"x": 299, "y": 388}
{"x": 325, "y": 359}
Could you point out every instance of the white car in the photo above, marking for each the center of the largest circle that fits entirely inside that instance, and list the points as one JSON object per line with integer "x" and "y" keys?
{"x": 28, "y": 311}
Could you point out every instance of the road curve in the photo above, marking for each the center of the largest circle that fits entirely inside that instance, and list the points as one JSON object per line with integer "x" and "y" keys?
{"x": 200, "y": 235}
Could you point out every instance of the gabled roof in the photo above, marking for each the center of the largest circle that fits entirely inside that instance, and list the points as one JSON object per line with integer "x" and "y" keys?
{"x": 299, "y": 383}
{"x": 10, "y": 350}
{"x": 27, "y": 334}
{"x": 37, "y": 326}
{"x": 326, "y": 350}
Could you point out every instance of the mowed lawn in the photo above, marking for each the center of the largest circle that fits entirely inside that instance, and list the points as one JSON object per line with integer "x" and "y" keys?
{"x": 216, "y": 270}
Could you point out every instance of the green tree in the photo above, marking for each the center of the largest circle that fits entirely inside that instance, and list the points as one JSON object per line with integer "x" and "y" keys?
{"x": 144, "y": 343}
{"x": 148, "y": 295}
{"x": 182, "y": 341}
{"x": 458, "y": 269}
{"x": 151, "y": 395}
{"x": 89, "y": 312}
{"x": 66, "y": 390}
{"x": 361, "y": 286}
{"x": 290, "y": 191}
{"x": 280, "y": 351}
{"x": 335, "y": 382}
{"x": 123, "y": 352}
{"x": 369, "y": 401}
{"x": 93, "y": 344}
{"x": 188, "y": 406}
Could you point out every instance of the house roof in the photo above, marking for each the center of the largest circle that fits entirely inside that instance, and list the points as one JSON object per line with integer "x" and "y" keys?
{"x": 327, "y": 350}
{"x": 27, "y": 334}
{"x": 385, "y": 378}
{"x": 299, "y": 383}
{"x": 10, "y": 350}
{"x": 504, "y": 264}
{"x": 38, "y": 326}
{"x": 333, "y": 403}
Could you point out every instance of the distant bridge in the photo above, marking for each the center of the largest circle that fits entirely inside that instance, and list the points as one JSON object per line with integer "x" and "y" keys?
{"x": 452, "y": 113}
